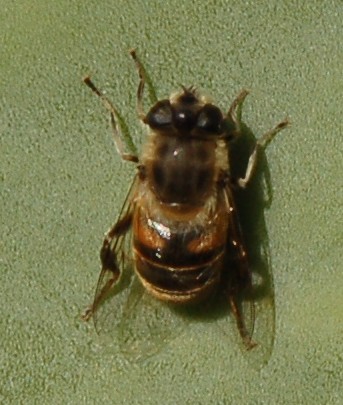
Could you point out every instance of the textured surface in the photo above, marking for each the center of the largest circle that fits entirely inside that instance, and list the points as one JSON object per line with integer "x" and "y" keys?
{"x": 62, "y": 185}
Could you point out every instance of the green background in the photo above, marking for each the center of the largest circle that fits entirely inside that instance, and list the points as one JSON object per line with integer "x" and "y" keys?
{"x": 62, "y": 185}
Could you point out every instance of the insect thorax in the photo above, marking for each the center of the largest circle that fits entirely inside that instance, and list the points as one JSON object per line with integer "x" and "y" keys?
{"x": 180, "y": 170}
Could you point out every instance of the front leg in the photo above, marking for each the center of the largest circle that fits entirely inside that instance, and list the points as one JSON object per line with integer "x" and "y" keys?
{"x": 233, "y": 112}
{"x": 143, "y": 78}
{"x": 114, "y": 115}
{"x": 261, "y": 144}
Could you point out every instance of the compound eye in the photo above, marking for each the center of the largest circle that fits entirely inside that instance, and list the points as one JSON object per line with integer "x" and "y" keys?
{"x": 210, "y": 119}
{"x": 160, "y": 115}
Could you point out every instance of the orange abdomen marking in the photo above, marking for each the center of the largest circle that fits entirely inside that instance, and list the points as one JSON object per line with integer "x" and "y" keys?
{"x": 178, "y": 262}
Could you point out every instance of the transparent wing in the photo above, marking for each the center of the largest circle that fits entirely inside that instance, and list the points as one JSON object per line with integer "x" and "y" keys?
{"x": 122, "y": 309}
{"x": 263, "y": 296}
{"x": 250, "y": 287}
{"x": 147, "y": 325}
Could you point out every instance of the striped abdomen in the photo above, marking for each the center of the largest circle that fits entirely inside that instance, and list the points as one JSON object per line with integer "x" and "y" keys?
{"x": 178, "y": 263}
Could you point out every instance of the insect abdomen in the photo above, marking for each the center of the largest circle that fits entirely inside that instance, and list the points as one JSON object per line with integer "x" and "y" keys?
{"x": 177, "y": 265}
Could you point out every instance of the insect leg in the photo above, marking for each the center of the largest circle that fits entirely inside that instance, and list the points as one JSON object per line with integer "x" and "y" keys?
{"x": 141, "y": 84}
{"x": 233, "y": 113}
{"x": 109, "y": 259}
{"x": 240, "y": 290}
{"x": 240, "y": 283}
{"x": 244, "y": 333}
{"x": 261, "y": 144}
{"x": 114, "y": 116}
{"x": 144, "y": 79}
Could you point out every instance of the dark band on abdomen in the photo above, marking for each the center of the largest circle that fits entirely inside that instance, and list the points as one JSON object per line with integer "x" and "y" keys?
{"x": 175, "y": 281}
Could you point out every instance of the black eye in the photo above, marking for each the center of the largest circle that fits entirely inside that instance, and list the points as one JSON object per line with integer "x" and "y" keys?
{"x": 160, "y": 115}
{"x": 210, "y": 119}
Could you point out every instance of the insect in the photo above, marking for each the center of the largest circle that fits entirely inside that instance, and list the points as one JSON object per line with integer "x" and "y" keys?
{"x": 180, "y": 214}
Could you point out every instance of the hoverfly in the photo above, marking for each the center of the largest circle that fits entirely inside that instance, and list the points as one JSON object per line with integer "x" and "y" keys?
{"x": 180, "y": 215}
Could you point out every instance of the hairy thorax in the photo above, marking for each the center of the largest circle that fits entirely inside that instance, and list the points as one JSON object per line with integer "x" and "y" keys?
{"x": 180, "y": 171}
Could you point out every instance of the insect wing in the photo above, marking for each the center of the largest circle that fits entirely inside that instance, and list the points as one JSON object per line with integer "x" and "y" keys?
{"x": 123, "y": 310}
{"x": 147, "y": 325}
{"x": 263, "y": 295}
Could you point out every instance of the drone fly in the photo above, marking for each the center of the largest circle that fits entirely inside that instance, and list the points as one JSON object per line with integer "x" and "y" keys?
{"x": 180, "y": 214}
